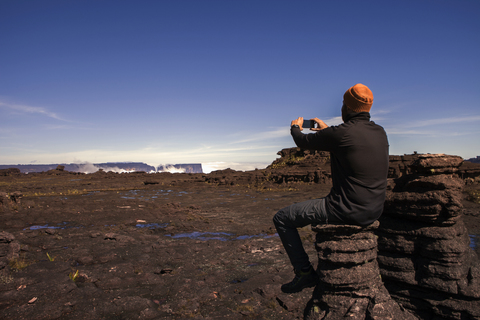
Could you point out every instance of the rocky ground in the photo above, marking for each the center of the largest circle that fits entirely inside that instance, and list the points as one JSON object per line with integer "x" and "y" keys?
{"x": 173, "y": 248}
{"x": 140, "y": 246}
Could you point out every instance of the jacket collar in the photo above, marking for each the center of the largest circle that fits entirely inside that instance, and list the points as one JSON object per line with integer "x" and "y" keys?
{"x": 357, "y": 116}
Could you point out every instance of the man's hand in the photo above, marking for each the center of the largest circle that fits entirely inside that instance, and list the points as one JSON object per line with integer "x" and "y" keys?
{"x": 298, "y": 122}
{"x": 320, "y": 124}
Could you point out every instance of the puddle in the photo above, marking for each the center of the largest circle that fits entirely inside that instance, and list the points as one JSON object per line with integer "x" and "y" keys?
{"x": 132, "y": 194}
{"x": 261, "y": 235}
{"x": 222, "y": 236}
{"x": 473, "y": 240}
{"x": 91, "y": 193}
{"x": 63, "y": 225}
{"x": 151, "y": 225}
{"x": 66, "y": 225}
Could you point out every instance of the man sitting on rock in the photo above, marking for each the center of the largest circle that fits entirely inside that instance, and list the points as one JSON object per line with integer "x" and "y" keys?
{"x": 359, "y": 163}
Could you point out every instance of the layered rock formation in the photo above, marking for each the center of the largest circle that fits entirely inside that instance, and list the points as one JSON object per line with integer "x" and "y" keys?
{"x": 297, "y": 165}
{"x": 232, "y": 177}
{"x": 424, "y": 255}
{"x": 350, "y": 283}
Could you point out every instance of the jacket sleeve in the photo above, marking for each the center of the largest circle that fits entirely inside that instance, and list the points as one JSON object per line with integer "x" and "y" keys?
{"x": 324, "y": 140}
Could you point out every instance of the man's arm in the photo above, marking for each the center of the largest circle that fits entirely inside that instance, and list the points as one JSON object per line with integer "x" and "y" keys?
{"x": 299, "y": 122}
{"x": 318, "y": 140}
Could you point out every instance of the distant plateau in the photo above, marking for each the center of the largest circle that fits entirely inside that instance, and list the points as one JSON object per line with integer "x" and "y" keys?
{"x": 109, "y": 166}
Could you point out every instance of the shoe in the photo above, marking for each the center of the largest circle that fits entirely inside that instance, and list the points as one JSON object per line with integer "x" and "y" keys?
{"x": 302, "y": 280}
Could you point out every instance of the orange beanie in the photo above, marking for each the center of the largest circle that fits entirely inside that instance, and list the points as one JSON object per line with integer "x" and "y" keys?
{"x": 358, "y": 98}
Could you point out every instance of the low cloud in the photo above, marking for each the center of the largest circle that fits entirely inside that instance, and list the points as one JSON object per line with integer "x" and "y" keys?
{"x": 171, "y": 169}
{"x": 88, "y": 167}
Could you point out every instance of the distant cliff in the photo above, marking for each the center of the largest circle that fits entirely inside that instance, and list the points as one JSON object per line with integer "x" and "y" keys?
{"x": 474, "y": 160}
{"x": 106, "y": 166}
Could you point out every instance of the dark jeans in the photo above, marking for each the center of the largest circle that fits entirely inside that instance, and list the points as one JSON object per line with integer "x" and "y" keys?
{"x": 299, "y": 215}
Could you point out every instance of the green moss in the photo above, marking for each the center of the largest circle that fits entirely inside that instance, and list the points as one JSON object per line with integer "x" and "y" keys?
{"x": 18, "y": 264}
{"x": 473, "y": 195}
{"x": 290, "y": 160}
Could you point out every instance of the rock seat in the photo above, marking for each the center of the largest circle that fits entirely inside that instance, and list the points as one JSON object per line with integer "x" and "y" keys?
{"x": 350, "y": 282}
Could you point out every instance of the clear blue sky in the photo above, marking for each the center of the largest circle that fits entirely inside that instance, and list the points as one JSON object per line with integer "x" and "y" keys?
{"x": 218, "y": 82}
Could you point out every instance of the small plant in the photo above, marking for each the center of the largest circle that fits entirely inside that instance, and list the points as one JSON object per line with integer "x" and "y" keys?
{"x": 50, "y": 258}
{"x": 272, "y": 304}
{"x": 245, "y": 308}
{"x": 6, "y": 279}
{"x": 73, "y": 276}
{"x": 317, "y": 309}
{"x": 17, "y": 264}
{"x": 473, "y": 195}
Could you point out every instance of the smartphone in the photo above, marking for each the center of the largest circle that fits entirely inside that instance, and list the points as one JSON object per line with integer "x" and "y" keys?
{"x": 308, "y": 124}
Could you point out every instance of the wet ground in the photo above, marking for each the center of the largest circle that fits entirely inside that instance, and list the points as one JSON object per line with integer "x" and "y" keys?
{"x": 135, "y": 246}
{"x": 175, "y": 249}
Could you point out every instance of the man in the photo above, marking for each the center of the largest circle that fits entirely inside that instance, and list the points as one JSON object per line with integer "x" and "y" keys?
{"x": 359, "y": 163}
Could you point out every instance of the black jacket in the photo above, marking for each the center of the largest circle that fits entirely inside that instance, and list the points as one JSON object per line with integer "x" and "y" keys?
{"x": 359, "y": 161}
